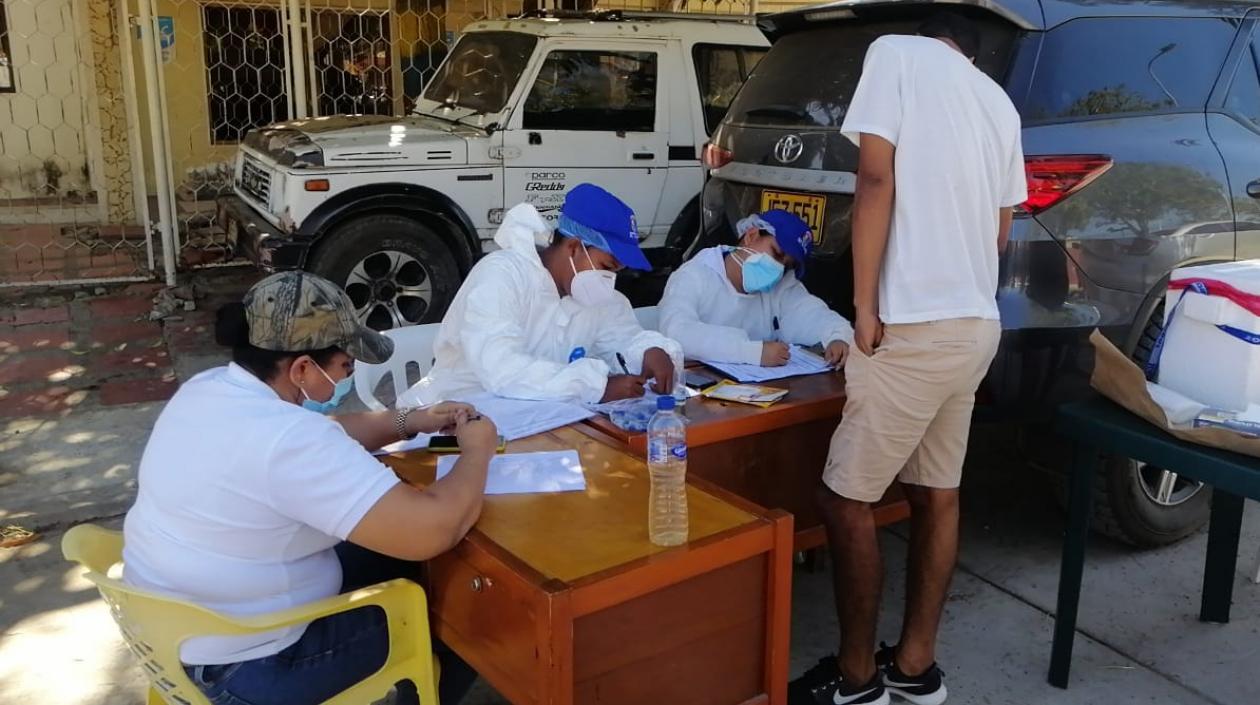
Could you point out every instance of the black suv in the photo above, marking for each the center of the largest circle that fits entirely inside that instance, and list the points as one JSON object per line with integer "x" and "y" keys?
{"x": 1142, "y": 136}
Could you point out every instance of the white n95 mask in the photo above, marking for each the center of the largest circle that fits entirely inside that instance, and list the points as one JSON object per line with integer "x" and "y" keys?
{"x": 592, "y": 287}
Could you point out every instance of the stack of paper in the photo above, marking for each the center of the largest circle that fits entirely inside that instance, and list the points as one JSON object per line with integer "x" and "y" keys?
{"x": 1184, "y": 413}
{"x": 727, "y": 390}
{"x": 802, "y": 362}
{"x": 519, "y": 418}
{"x": 518, "y": 473}
{"x": 515, "y": 418}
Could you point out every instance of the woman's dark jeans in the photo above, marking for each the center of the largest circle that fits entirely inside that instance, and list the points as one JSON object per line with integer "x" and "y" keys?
{"x": 334, "y": 653}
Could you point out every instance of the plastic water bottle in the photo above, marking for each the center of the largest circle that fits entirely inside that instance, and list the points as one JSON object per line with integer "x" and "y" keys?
{"x": 667, "y": 465}
{"x": 680, "y": 384}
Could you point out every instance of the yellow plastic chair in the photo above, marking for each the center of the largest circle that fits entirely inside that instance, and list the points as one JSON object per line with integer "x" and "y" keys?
{"x": 154, "y": 626}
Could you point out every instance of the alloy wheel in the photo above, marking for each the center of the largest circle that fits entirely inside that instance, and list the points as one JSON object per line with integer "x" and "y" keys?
{"x": 1166, "y": 488}
{"x": 389, "y": 289}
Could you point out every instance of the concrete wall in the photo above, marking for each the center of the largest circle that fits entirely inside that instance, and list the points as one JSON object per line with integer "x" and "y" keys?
{"x": 43, "y": 140}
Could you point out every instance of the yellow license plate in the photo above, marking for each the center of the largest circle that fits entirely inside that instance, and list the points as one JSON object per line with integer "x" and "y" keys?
{"x": 811, "y": 209}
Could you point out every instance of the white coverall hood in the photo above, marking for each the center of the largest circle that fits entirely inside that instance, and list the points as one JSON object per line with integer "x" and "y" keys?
{"x": 523, "y": 230}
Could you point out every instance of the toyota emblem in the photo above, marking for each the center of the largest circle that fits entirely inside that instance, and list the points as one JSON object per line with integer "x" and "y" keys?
{"x": 788, "y": 149}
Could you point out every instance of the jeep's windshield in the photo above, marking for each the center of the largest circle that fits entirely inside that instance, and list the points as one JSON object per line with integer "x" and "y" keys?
{"x": 481, "y": 71}
{"x": 808, "y": 78}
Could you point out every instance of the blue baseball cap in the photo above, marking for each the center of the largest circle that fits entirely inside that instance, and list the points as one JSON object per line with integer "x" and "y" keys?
{"x": 791, "y": 233}
{"x": 601, "y": 220}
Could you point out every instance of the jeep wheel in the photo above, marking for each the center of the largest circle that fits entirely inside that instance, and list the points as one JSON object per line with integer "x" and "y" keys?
{"x": 396, "y": 271}
{"x": 1142, "y": 504}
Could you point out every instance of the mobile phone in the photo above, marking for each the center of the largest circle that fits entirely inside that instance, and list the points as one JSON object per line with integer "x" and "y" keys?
{"x": 697, "y": 379}
{"x": 450, "y": 444}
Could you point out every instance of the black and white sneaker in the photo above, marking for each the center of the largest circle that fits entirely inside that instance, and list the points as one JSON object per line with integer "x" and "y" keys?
{"x": 927, "y": 688}
{"x": 800, "y": 691}
{"x": 823, "y": 685}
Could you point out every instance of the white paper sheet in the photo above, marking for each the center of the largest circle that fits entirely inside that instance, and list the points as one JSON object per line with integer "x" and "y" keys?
{"x": 802, "y": 362}
{"x": 519, "y": 473}
{"x": 515, "y": 418}
{"x": 519, "y": 418}
{"x": 1180, "y": 409}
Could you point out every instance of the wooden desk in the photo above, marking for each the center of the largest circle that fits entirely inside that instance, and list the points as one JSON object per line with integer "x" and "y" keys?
{"x": 560, "y": 599}
{"x": 772, "y": 457}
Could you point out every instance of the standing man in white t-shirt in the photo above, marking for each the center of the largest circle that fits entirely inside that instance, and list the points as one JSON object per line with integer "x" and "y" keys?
{"x": 940, "y": 169}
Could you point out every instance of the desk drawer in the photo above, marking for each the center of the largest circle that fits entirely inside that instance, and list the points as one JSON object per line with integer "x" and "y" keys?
{"x": 492, "y": 618}
{"x": 700, "y": 642}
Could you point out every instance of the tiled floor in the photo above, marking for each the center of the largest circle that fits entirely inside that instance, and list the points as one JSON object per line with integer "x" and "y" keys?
{"x": 59, "y": 352}
{"x": 43, "y": 253}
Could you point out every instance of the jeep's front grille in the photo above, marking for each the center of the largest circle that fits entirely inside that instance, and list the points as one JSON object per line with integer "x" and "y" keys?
{"x": 256, "y": 180}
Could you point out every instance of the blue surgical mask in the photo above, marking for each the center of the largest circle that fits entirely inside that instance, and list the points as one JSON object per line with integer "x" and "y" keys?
{"x": 760, "y": 271}
{"x": 340, "y": 391}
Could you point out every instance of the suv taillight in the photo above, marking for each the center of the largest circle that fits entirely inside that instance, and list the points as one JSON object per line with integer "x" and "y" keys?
{"x": 1054, "y": 178}
{"x": 714, "y": 157}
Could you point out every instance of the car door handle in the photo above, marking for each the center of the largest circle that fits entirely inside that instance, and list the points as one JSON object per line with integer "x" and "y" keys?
{"x": 643, "y": 156}
{"x": 1253, "y": 189}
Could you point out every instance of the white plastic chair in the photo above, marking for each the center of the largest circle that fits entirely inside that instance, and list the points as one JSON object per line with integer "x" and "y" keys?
{"x": 412, "y": 345}
{"x": 649, "y": 317}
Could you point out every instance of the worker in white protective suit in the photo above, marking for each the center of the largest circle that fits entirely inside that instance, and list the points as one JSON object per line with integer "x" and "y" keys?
{"x": 746, "y": 303}
{"x": 547, "y": 324}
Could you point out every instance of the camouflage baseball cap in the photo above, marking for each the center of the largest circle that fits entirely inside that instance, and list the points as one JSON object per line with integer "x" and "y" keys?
{"x": 296, "y": 311}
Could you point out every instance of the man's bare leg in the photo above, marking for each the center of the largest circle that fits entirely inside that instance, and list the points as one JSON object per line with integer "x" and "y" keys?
{"x": 858, "y": 581}
{"x": 930, "y": 567}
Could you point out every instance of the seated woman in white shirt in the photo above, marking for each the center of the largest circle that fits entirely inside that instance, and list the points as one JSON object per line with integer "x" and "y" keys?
{"x": 252, "y": 500}
{"x": 746, "y": 303}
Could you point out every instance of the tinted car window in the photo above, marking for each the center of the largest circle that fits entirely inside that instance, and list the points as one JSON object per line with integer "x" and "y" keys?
{"x": 1244, "y": 92}
{"x": 482, "y": 70}
{"x": 594, "y": 90}
{"x": 1127, "y": 66}
{"x": 721, "y": 71}
{"x": 808, "y": 77}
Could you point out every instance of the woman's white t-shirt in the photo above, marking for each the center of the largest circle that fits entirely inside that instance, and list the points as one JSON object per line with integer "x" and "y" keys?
{"x": 242, "y": 497}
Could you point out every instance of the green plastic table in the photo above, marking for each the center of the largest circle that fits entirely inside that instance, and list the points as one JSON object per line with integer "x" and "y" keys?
{"x": 1099, "y": 426}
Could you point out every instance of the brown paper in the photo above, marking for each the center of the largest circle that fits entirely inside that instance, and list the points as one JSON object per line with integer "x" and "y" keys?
{"x": 1119, "y": 379}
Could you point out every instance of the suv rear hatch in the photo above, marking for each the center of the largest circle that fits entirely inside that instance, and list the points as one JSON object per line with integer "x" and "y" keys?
{"x": 780, "y": 145}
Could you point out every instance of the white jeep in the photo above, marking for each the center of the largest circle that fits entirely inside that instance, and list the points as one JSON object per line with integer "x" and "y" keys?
{"x": 396, "y": 210}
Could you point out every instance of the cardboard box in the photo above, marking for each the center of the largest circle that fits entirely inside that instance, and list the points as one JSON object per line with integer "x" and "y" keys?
{"x": 1119, "y": 379}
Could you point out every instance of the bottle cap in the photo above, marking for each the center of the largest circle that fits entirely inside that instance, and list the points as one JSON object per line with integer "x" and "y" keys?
{"x": 665, "y": 402}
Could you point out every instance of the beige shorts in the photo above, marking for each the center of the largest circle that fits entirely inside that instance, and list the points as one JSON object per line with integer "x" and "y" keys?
{"x": 908, "y": 412}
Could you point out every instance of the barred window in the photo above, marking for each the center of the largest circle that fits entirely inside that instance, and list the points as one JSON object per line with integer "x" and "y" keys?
{"x": 245, "y": 66}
